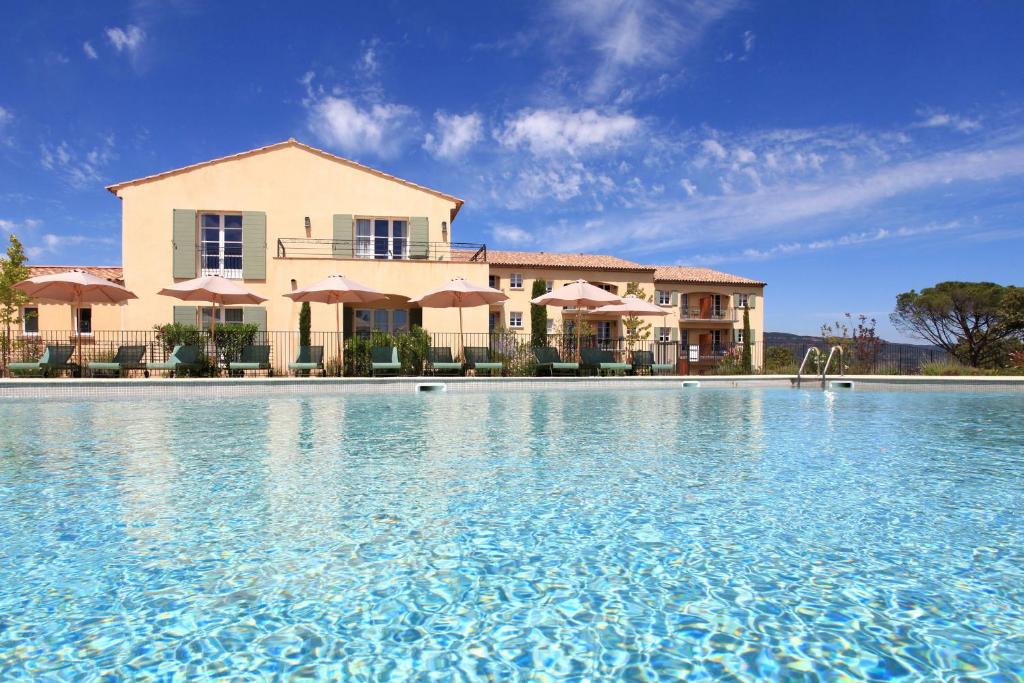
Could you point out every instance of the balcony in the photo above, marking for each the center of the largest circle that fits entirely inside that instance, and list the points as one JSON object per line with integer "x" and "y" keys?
{"x": 708, "y": 314}
{"x": 394, "y": 250}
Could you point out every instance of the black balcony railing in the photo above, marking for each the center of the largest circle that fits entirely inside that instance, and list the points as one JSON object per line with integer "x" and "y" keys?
{"x": 725, "y": 315}
{"x": 370, "y": 248}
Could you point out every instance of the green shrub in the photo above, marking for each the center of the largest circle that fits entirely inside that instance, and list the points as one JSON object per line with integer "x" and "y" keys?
{"x": 173, "y": 334}
{"x": 778, "y": 360}
{"x": 231, "y": 338}
{"x": 412, "y": 350}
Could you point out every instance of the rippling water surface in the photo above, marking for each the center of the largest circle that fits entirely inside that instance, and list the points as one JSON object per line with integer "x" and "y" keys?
{"x": 648, "y": 535}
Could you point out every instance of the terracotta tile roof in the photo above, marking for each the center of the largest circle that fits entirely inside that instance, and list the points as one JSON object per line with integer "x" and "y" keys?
{"x": 543, "y": 259}
{"x": 693, "y": 274}
{"x": 290, "y": 142}
{"x": 112, "y": 273}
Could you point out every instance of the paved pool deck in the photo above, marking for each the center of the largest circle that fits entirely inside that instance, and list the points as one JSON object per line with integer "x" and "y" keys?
{"x": 15, "y": 388}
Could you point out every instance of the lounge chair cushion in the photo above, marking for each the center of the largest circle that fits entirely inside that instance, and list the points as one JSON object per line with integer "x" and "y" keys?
{"x": 387, "y": 366}
{"x": 488, "y": 366}
{"x": 563, "y": 366}
{"x": 248, "y": 366}
{"x": 662, "y": 367}
{"x": 96, "y": 365}
{"x": 615, "y": 366}
{"x": 33, "y": 365}
{"x": 446, "y": 366}
{"x": 304, "y": 366}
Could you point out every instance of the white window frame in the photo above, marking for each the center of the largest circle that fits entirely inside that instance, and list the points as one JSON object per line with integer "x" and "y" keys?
{"x": 374, "y": 315}
{"x": 548, "y": 286}
{"x": 739, "y": 336}
{"x": 222, "y": 269}
{"x": 206, "y": 314}
{"x": 742, "y": 300}
{"x": 515, "y": 280}
{"x": 664, "y": 335}
{"x": 663, "y": 297}
{"x": 494, "y": 281}
{"x": 25, "y": 318}
{"x": 513, "y": 316}
{"x": 78, "y": 318}
{"x": 550, "y": 325}
{"x": 395, "y": 247}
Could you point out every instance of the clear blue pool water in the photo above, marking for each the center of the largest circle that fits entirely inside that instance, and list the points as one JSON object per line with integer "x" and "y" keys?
{"x": 656, "y": 535}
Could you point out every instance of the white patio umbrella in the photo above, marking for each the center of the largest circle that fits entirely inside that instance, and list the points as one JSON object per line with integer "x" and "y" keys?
{"x": 580, "y": 294}
{"x": 215, "y": 290}
{"x": 631, "y": 305}
{"x": 337, "y": 289}
{"x": 460, "y": 293}
{"x": 75, "y": 287}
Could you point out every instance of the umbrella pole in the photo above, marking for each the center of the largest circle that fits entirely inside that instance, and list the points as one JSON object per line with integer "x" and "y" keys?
{"x": 213, "y": 334}
{"x": 337, "y": 334}
{"x": 462, "y": 341}
{"x": 78, "y": 336}
{"x": 579, "y": 329}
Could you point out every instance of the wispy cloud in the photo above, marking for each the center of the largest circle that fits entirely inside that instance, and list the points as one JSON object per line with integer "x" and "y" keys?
{"x": 633, "y": 35}
{"x": 9, "y": 226}
{"x": 128, "y": 39}
{"x": 564, "y": 131}
{"x": 511, "y": 235}
{"x": 748, "y": 43}
{"x": 89, "y": 50}
{"x": 78, "y": 168}
{"x": 380, "y": 128}
{"x": 6, "y": 117}
{"x": 846, "y": 240}
{"x": 937, "y": 118}
{"x": 50, "y": 243}
{"x": 454, "y": 134}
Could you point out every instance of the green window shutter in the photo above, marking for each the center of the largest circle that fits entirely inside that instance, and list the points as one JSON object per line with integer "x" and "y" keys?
{"x": 735, "y": 300}
{"x": 344, "y": 236}
{"x": 184, "y": 243}
{"x": 673, "y": 333}
{"x": 255, "y": 315}
{"x": 674, "y": 298}
{"x": 419, "y": 235}
{"x": 750, "y": 301}
{"x": 185, "y": 315}
{"x": 735, "y": 335}
{"x": 753, "y": 336}
{"x": 254, "y": 245}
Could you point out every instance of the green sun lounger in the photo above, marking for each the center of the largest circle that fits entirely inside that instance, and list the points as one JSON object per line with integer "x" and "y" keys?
{"x": 602, "y": 362}
{"x": 384, "y": 361}
{"x": 478, "y": 358}
{"x": 643, "y": 361}
{"x": 253, "y": 357}
{"x": 549, "y": 361}
{"x": 126, "y": 359}
{"x": 183, "y": 357}
{"x": 440, "y": 361}
{"x": 54, "y": 359}
{"x": 310, "y": 359}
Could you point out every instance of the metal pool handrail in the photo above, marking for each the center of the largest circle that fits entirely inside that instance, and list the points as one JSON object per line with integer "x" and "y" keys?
{"x": 828, "y": 361}
{"x": 815, "y": 351}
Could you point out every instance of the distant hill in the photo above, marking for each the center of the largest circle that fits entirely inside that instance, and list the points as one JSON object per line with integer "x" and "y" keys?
{"x": 804, "y": 340}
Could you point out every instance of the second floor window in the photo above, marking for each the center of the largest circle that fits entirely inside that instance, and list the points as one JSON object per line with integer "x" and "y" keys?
{"x": 742, "y": 300}
{"x": 664, "y": 298}
{"x": 515, "y": 319}
{"x": 515, "y": 280}
{"x": 382, "y": 238}
{"x": 494, "y": 282}
{"x": 221, "y": 235}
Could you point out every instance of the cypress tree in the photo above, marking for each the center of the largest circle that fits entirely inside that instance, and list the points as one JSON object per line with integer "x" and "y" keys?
{"x": 305, "y": 321}
{"x": 538, "y": 316}
{"x": 748, "y": 343}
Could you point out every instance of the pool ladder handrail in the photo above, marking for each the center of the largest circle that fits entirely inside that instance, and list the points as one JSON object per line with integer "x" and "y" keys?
{"x": 842, "y": 371}
{"x": 812, "y": 351}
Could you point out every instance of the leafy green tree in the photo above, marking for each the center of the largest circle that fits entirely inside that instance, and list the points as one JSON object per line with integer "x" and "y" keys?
{"x": 747, "y": 360}
{"x": 305, "y": 322}
{"x": 538, "y": 316}
{"x": 635, "y": 328}
{"x": 12, "y": 271}
{"x": 976, "y": 322}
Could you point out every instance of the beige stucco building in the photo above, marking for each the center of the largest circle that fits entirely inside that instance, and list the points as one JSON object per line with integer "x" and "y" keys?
{"x": 285, "y": 215}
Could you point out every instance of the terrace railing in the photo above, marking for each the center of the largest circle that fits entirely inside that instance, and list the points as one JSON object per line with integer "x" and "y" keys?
{"x": 374, "y": 249}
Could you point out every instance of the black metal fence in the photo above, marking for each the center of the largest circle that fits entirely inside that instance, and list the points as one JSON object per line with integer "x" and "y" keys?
{"x": 394, "y": 248}
{"x": 514, "y": 349}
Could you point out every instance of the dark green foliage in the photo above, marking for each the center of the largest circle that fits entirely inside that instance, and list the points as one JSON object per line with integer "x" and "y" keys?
{"x": 778, "y": 360}
{"x": 13, "y": 269}
{"x": 231, "y": 338}
{"x": 412, "y": 351}
{"x": 976, "y": 322}
{"x": 305, "y": 322}
{"x": 748, "y": 344}
{"x": 173, "y": 334}
{"x": 538, "y": 316}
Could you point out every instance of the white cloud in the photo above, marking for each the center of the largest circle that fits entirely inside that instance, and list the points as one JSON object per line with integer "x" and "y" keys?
{"x": 128, "y": 39}
{"x": 5, "y": 117}
{"x": 89, "y": 50}
{"x": 564, "y": 131}
{"x": 689, "y": 187}
{"x": 369, "y": 61}
{"x": 79, "y": 169}
{"x": 511, "y": 234}
{"x": 53, "y": 244}
{"x": 749, "y": 40}
{"x": 380, "y": 128}
{"x": 847, "y": 240}
{"x": 936, "y": 118}
{"x": 634, "y": 34}
{"x": 454, "y": 134}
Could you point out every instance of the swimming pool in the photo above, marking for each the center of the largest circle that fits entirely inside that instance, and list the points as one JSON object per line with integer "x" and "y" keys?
{"x": 619, "y": 535}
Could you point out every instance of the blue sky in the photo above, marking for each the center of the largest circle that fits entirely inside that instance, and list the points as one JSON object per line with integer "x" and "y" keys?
{"x": 843, "y": 152}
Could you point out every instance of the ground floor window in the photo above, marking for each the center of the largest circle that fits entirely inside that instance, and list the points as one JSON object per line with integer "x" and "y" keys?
{"x": 493, "y": 320}
{"x": 30, "y": 320}
{"x": 551, "y": 325}
{"x": 83, "y": 323}
{"x": 225, "y": 316}
{"x": 394, "y": 321}
{"x": 664, "y": 334}
{"x": 605, "y": 331}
